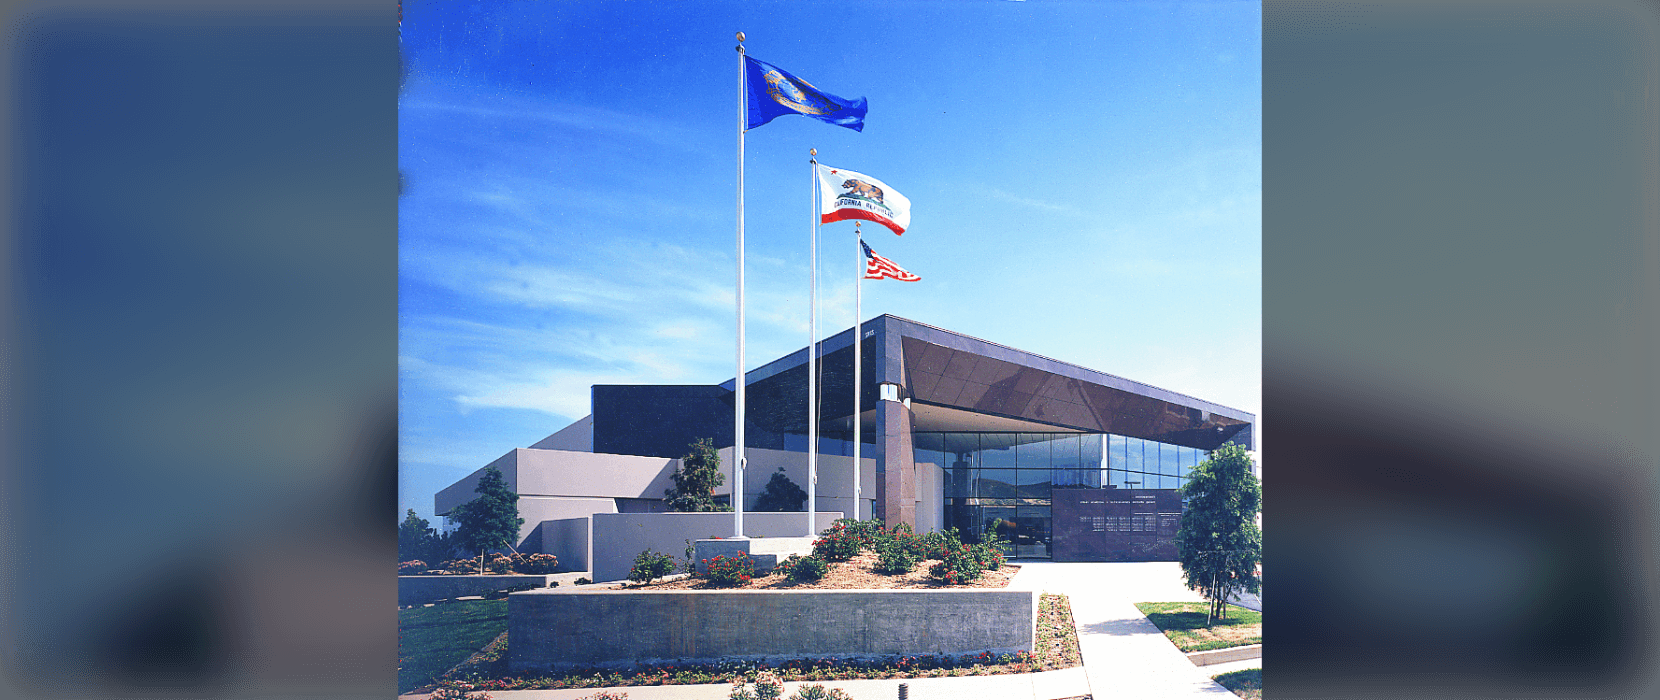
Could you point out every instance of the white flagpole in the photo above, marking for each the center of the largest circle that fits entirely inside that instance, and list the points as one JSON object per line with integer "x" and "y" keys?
{"x": 858, "y": 354}
{"x": 812, "y": 354}
{"x": 738, "y": 402}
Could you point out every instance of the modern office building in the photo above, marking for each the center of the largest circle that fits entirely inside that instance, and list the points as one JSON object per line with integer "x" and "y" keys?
{"x": 1066, "y": 462}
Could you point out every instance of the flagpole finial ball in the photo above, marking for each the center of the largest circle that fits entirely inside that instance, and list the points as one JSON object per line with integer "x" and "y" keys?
{"x": 812, "y": 151}
{"x": 740, "y": 36}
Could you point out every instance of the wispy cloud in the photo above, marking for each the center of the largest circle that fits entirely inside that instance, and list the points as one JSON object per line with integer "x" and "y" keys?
{"x": 1029, "y": 202}
{"x": 506, "y": 113}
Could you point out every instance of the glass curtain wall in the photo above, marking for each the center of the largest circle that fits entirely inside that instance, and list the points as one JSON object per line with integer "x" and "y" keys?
{"x": 1001, "y": 482}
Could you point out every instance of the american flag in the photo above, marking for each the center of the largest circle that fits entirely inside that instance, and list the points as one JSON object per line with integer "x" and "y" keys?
{"x": 878, "y": 267}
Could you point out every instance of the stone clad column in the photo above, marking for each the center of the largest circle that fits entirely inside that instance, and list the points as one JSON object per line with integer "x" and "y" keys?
{"x": 896, "y": 487}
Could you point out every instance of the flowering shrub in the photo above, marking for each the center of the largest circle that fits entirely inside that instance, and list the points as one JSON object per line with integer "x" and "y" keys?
{"x": 989, "y": 555}
{"x": 536, "y": 564}
{"x": 413, "y": 566}
{"x": 730, "y": 571}
{"x": 865, "y": 530}
{"x": 898, "y": 553}
{"x": 803, "y": 569}
{"x": 461, "y": 566}
{"x": 934, "y": 545}
{"x": 838, "y": 543}
{"x": 650, "y": 566}
{"x": 606, "y": 695}
{"x": 819, "y": 692}
{"x": 458, "y": 690}
{"x": 767, "y": 687}
{"x": 959, "y": 565}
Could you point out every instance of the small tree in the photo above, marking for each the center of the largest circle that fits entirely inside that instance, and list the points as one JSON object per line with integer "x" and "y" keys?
{"x": 695, "y": 480}
{"x": 1218, "y": 542}
{"x": 490, "y": 521}
{"x": 414, "y": 537}
{"x": 781, "y": 495}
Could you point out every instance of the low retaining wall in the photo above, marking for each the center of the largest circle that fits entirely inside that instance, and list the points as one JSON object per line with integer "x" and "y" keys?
{"x": 416, "y": 590}
{"x": 560, "y": 629}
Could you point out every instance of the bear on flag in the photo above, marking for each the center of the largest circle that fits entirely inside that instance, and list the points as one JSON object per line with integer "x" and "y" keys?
{"x": 846, "y": 195}
{"x": 878, "y": 267}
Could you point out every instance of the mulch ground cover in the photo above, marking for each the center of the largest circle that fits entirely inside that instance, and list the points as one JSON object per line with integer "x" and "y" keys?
{"x": 856, "y": 573}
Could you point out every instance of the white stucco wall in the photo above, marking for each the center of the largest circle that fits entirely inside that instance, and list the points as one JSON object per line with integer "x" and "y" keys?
{"x": 532, "y": 472}
{"x": 576, "y": 437}
{"x": 835, "y": 477}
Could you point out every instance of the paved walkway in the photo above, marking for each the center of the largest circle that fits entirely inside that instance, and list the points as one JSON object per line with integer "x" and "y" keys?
{"x": 1125, "y": 656}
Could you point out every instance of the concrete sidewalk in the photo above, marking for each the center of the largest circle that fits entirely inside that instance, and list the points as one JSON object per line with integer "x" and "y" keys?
{"x": 1125, "y": 656}
{"x": 1039, "y": 686}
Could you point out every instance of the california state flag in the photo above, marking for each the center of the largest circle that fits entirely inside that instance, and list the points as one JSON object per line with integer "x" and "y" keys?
{"x": 844, "y": 195}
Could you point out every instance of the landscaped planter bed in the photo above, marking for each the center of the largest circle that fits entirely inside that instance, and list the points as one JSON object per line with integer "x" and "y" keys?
{"x": 857, "y": 573}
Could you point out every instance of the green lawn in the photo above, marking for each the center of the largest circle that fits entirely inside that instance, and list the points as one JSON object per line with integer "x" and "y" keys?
{"x": 1184, "y": 624}
{"x": 1246, "y": 684}
{"x": 433, "y": 640}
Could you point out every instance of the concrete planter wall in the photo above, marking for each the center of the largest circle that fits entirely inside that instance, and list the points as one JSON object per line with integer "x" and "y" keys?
{"x": 560, "y": 629}
{"x": 415, "y": 590}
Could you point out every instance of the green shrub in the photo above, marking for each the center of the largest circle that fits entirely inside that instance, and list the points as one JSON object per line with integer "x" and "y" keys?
{"x": 411, "y": 567}
{"x": 959, "y": 565}
{"x": 935, "y": 544}
{"x": 461, "y": 566}
{"x": 803, "y": 569}
{"x": 536, "y": 563}
{"x": 583, "y": 581}
{"x": 730, "y": 571}
{"x": 650, "y": 566}
{"x": 989, "y": 551}
{"x": 865, "y": 531}
{"x": 898, "y": 553}
{"x": 767, "y": 687}
{"x": 838, "y": 543}
{"x": 819, "y": 692}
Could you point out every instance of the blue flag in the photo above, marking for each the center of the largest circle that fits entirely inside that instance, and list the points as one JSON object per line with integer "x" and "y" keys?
{"x": 772, "y": 92}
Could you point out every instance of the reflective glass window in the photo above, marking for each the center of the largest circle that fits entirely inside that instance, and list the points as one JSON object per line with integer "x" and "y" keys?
{"x": 1091, "y": 458}
{"x": 996, "y": 483}
{"x": 927, "y": 449}
{"x": 1033, "y": 451}
{"x": 1115, "y": 451}
{"x": 1132, "y": 454}
{"x": 1135, "y": 480}
{"x": 997, "y": 450}
{"x": 1033, "y": 483}
{"x": 1000, "y": 521}
{"x": 1167, "y": 459}
{"x": 1063, "y": 461}
{"x": 1064, "y": 451}
{"x": 1031, "y": 532}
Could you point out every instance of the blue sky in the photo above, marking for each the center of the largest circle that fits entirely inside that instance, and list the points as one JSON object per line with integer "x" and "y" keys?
{"x": 1085, "y": 181}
